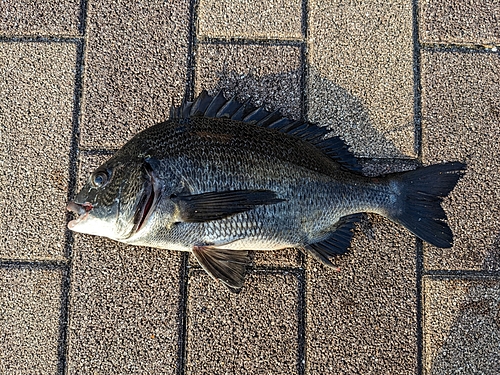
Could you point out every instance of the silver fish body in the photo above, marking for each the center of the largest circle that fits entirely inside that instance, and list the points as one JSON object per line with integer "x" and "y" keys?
{"x": 222, "y": 177}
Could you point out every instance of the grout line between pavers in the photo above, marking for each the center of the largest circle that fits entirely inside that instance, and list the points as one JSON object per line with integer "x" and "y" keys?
{"x": 62, "y": 349}
{"x": 419, "y": 246}
{"x": 63, "y": 346}
{"x": 182, "y": 314}
{"x": 82, "y": 17}
{"x": 249, "y": 41}
{"x": 301, "y": 273}
{"x": 301, "y": 321}
{"x": 191, "y": 52}
{"x": 34, "y": 264}
{"x": 184, "y": 267}
{"x": 262, "y": 270}
{"x": 462, "y": 48}
{"x": 40, "y": 39}
{"x": 461, "y": 274}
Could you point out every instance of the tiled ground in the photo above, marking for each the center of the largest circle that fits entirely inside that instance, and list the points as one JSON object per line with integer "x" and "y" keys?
{"x": 405, "y": 82}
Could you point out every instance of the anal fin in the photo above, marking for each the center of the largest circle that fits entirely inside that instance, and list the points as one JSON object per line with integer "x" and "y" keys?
{"x": 336, "y": 243}
{"x": 226, "y": 266}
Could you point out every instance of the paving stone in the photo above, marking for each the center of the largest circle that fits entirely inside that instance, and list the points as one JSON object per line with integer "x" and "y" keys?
{"x": 361, "y": 317}
{"x": 47, "y": 18}
{"x": 270, "y": 75}
{"x": 460, "y": 22}
{"x": 124, "y": 305}
{"x": 30, "y": 302}
{"x": 277, "y": 258}
{"x": 254, "y": 332}
{"x": 460, "y": 117}
{"x": 360, "y": 74}
{"x": 461, "y": 326}
{"x": 36, "y": 100}
{"x": 261, "y": 19}
{"x": 136, "y": 65}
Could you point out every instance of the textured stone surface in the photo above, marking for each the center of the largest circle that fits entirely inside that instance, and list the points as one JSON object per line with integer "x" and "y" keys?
{"x": 361, "y": 317}
{"x": 254, "y": 332}
{"x": 461, "y": 22}
{"x": 261, "y": 19}
{"x": 36, "y": 101}
{"x": 29, "y": 320}
{"x": 361, "y": 74}
{"x": 39, "y": 17}
{"x": 136, "y": 65}
{"x": 271, "y": 75}
{"x": 461, "y": 113}
{"x": 461, "y": 327}
{"x": 123, "y": 315}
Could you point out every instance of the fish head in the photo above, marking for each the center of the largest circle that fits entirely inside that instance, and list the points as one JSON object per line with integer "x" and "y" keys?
{"x": 117, "y": 199}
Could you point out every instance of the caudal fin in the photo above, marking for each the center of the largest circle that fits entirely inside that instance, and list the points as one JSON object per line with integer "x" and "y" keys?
{"x": 421, "y": 194}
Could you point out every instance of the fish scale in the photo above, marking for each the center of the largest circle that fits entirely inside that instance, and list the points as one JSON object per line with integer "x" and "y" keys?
{"x": 222, "y": 177}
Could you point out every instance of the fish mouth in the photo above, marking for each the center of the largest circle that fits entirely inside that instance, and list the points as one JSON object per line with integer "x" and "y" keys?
{"x": 147, "y": 203}
{"x": 81, "y": 209}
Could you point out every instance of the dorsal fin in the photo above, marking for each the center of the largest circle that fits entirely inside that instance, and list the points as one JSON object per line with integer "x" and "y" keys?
{"x": 219, "y": 107}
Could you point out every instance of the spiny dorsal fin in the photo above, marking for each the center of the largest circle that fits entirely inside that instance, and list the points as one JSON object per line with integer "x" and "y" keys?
{"x": 219, "y": 107}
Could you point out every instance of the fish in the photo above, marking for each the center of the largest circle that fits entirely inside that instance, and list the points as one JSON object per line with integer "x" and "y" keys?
{"x": 222, "y": 177}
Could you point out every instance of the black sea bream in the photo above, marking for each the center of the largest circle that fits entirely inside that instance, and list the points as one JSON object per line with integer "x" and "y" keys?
{"x": 222, "y": 177}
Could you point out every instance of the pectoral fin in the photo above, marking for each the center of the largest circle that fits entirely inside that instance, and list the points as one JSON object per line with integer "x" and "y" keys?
{"x": 227, "y": 266}
{"x": 218, "y": 205}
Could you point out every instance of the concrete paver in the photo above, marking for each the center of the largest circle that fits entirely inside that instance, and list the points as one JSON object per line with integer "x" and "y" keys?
{"x": 36, "y": 100}
{"x": 361, "y": 74}
{"x": 261, "y": 19}
{"x": 461, "y": 22}
{"x": 136, "y": 65}
{"x": 123, "y": 314}
{"x": 361, "y": 318}
{"x": 270, "y": 75}
{"x": 461, "y": 326}
{"x": 124, "y": 303}
{"x": 460, "y": 116}
{"x": 127, "y": 310}
{"x": 29, "y": 320}
{"x": 254, "y": 332}
{"x": 33, "y": 18}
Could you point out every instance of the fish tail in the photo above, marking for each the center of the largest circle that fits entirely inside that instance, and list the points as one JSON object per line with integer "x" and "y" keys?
{"x": 419, "y": 203}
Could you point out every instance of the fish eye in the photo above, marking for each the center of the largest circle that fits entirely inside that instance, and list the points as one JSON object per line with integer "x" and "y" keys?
{"x": 100, "y": 178}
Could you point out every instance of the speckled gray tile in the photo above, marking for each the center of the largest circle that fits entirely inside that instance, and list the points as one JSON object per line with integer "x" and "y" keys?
{"x": 261, "y": 19}
{"x": 461, "y": 113}
{"x": 361, "y": 317}
{"x": 461, "y": 327}
{"x": 136, "y": 64}
{"x": 124, "y": 303}
{"x": 47, "y": 18}
{"x": 268, "y": 74}
{"x": 360, "y": 57}
{"x": 460, "y": 21}
{"x": 30, "y": 301}
{"x": 254, "y": 332}
{"x": 36, "y": 100}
